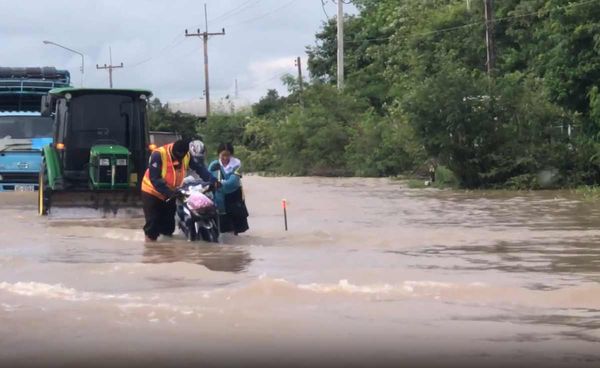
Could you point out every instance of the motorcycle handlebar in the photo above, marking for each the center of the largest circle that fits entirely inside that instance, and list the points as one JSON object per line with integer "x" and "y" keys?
{"x": 179, "y": 192}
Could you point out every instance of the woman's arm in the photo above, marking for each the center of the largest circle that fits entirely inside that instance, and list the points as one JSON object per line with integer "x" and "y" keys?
{"x": 231, "y": 183}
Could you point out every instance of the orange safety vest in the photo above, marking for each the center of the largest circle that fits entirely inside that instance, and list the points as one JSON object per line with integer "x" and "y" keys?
{"x": 170, "y": 175}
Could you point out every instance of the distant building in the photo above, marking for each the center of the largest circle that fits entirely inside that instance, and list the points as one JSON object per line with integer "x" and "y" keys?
{"x": 197, "y": 106}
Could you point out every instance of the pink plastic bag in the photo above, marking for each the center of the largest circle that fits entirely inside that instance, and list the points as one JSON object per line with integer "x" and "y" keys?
{"x": 198, "y": 201}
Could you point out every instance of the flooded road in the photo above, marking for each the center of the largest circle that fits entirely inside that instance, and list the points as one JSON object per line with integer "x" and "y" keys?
{"x": 370, "y": 273}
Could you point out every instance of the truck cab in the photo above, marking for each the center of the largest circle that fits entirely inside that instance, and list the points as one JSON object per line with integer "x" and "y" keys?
{"x": 22, "y": 137}
{"x": 23, "y": 129}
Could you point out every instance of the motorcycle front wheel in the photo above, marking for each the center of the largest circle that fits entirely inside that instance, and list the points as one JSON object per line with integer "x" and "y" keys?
{"x": 211, "y": 234}
{"x": 191, "y": 233}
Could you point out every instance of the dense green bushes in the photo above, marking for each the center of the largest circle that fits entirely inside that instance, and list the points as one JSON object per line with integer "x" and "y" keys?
{"x": 327, "y": 134}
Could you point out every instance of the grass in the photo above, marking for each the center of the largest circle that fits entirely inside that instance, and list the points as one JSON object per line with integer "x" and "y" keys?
{"x": 416, "y": 183}
{"x": 444, "y": 178}
{"x": 588, "y": 192}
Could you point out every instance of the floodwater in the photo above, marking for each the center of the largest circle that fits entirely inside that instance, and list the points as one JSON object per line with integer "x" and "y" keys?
{"x": 370, "y": 273}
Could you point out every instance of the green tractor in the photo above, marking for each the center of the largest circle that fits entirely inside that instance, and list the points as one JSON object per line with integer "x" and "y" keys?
{"x": 99, "y": 152}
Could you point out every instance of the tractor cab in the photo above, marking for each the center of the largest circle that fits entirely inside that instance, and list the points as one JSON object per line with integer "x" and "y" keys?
{"x": 100, "y": 148}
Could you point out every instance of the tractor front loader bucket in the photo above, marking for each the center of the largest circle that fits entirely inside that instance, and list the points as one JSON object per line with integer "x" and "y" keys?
{"x": 93, "y": 203}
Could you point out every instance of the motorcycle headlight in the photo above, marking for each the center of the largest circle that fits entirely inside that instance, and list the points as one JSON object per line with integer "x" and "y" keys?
{"x": 104, "y": 162}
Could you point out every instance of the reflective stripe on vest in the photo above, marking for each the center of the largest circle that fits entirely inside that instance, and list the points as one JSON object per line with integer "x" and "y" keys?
{"x": 170, "y": 175}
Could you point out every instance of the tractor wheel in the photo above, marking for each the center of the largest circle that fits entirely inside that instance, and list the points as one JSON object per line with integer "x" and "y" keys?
{"x": 43, "y": 192}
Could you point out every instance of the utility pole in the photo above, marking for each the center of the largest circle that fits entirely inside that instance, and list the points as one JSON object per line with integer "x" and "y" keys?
{"x": 489, "y": 36}
{"x": 300, "y": 80}
{"x": 340, "y": 44}
{"x": 205, "y": 36}
{"x": 237, "y": 90}
{"x": 110, "y": 68}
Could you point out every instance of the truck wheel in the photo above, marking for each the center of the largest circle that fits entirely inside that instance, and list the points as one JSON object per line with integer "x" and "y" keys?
{"x": 43, "y": 192}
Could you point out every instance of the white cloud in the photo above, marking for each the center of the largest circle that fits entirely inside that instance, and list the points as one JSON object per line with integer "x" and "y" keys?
{"x": 266, "y": 74}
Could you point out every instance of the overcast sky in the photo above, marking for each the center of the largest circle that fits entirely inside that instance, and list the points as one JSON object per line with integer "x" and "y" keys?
{"x": 263, "y": 37}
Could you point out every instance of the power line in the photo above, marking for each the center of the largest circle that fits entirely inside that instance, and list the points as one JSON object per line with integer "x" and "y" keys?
{"x": 235, "y": 11}
{"x": 160, "y": 53}
{"x": 264, "y": 82}
{"x": 245, "y": 6}
{"x": 189, "y": 53}
{"x": 324, "y": 10}
{"x": 178, "y": 55}
{"x": 231, "y": 11}
{"x": 176, "y": 41}
{"x": 264, "y": 14}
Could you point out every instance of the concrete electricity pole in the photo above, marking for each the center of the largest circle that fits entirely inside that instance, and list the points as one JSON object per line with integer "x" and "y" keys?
{"x": 300, "y": 80}
{"x": 340, "y": 44}
{"x": 110, "y": 68}
{"x": 490, "y": 42}
{"x": 205, "y": 36}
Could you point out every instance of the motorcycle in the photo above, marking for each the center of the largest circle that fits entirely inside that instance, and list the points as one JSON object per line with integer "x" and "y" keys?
{"x": 197, "y": 217}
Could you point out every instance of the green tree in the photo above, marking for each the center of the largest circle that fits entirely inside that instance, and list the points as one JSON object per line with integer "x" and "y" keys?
{"x": 160, "y": 118}
{"x": 383, "y": 146}
{"x": 269, "y": 104}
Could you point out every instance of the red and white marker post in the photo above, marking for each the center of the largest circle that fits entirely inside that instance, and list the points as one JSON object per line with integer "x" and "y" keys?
{"x": 284, "y": 205}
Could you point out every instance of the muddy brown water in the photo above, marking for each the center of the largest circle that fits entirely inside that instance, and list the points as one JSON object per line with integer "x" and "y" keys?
{"x": 370, "y": 273}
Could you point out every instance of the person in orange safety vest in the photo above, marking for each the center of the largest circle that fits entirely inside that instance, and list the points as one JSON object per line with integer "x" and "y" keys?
{"x": 167, "y": 167}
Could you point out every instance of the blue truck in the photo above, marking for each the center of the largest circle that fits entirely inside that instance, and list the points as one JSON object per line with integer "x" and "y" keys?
{"x": 23, "y": 130}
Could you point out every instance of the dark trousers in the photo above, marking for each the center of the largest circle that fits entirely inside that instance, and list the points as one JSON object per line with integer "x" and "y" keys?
{"x": 160, "y": 216}
{"x": 236, "y": 218}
